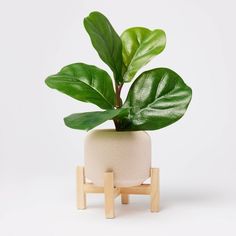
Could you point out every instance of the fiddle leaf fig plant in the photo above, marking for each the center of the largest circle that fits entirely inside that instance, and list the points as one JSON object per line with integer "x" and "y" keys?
{"x": 156, "y": 98}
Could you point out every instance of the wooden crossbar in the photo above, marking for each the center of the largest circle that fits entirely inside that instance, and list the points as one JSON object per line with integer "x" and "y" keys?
{"x": 141, "y": 189}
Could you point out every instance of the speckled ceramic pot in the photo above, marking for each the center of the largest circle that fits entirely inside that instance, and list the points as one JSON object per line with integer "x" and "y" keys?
{"x": 126, "y": 153}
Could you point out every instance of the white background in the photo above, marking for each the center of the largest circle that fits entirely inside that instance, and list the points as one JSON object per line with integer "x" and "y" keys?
{"x": 38, "y": 154}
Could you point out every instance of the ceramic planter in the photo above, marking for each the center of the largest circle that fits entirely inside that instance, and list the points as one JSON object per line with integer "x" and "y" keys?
{"x": 127, "y": 154}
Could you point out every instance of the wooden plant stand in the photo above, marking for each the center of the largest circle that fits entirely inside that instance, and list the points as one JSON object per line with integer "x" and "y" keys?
{"x": 111, "y": 192}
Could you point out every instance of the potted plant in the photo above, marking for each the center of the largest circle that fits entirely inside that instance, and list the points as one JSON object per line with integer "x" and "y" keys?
{"x": 156, "y": 99}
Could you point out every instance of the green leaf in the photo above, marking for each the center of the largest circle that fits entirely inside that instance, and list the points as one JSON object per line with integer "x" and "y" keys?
{"x": 156, "y": 99}
{"x": 106, "y": 42}
{"x": 85, "y": 83}
{"x": 140, "y": 45}
{"x": 89, "y": 120}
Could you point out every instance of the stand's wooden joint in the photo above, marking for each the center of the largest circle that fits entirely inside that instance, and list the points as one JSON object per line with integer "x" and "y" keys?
{"x": 111, "y": 192}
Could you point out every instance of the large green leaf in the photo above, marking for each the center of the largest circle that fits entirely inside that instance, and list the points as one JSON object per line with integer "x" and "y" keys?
{"x": 156, "y": 99}
{"x": 140, "y": 45}
{"x": 89, "y": 120}
{"x": 106, "y": 41}
{"x": 86, "y": 83}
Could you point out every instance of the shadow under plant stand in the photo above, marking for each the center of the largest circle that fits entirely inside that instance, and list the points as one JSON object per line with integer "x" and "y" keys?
{"x": 111, "y": 192}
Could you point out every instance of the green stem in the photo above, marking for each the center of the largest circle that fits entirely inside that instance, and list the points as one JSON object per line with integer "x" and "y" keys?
{"x": 118, "y": 98}
{"x": 118, "y": 104}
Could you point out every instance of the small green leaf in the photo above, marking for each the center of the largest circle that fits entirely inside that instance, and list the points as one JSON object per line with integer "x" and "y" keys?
{"x": 140, "y": 45}
{"x": 89, "y": 120}
{"x": 156, "y": 99}
{"x": 85, "y": 83}
{"x": 106, "y": 42}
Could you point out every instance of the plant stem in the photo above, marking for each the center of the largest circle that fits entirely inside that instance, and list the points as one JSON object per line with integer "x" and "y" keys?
{"x": 118, "y": 104}
{"x": 118, "y": 98}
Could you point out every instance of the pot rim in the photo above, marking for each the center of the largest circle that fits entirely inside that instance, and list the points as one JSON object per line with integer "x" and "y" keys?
{"x": 109, "y": 130}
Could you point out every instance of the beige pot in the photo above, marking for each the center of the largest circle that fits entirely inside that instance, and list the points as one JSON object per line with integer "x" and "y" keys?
{"x": 126, "y": 153}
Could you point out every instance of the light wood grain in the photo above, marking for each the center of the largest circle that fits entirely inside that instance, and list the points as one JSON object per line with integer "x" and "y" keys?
{"x": 81, "y": 195}
{"x": 109, "y": 195}
{"x": 90, "y": 188}
{"x": 111, "y": 192}
{"x": 124, "y": 198}
{"x": 116, "y": 192}
{"x": 155, "y": 190}
{"x": 140, "y": 189}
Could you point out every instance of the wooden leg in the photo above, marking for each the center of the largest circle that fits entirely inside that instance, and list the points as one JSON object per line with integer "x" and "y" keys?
{"x": 124, "y": 198}
{"x": 81, "y": 195}
{"x": 109, "y": 195}
{"x": 155, "y": 190}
